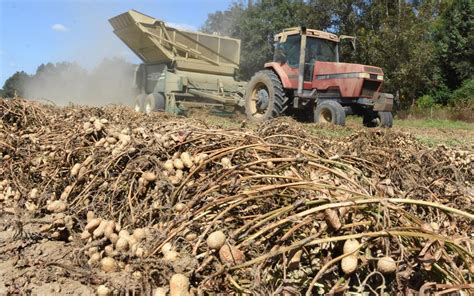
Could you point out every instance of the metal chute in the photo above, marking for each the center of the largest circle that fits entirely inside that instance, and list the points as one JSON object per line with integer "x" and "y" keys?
{"x": 155, "y": 42}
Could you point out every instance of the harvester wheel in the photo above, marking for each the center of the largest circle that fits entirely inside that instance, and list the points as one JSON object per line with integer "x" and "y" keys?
{"x": 264, "y": 97}
{"x": 154, "y": 102}
{"x": 139, "y": 103}
{"x": 330, "y": 112}
{"x": 378, "y": 119}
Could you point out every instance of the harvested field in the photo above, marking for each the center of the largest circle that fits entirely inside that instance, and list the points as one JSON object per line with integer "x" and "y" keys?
{"x": 110, "y": 201}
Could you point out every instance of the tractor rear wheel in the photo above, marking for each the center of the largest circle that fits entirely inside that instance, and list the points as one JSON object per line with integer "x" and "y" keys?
{"x": 138, "y": 104}
{"x": 154, "y": 102}
{"x": 264, "y": 97}
{"x": 378, "y": 119}
{"x": 330, "y": 112}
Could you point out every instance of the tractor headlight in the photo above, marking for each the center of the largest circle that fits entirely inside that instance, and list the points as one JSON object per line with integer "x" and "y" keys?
{"x": 364, "y": 75}
{"x": 379, "y": 77}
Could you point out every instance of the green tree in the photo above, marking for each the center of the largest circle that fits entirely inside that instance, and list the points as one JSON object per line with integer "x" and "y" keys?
{"x": 224, "y": 22}
{"x": 455, "y": 42}
{"x": 464, "y": 94}
{"x": 397, "y": 37}
{"x": 15, "y": 85}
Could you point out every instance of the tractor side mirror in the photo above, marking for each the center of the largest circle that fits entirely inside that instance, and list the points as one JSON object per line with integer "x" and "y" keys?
{"x": 351, "y": 39}
{"x": 353, "y": 44}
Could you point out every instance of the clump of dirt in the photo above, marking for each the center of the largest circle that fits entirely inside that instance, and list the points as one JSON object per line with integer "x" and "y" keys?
{"x": 110, "y": 201}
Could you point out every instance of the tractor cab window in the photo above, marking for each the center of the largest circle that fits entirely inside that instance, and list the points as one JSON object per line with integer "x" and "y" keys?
{"x": 288, "y": 51}
{"x": 320, "y": 50}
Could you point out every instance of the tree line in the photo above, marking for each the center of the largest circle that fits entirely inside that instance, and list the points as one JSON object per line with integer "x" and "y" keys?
{"x": 426, "y": 48}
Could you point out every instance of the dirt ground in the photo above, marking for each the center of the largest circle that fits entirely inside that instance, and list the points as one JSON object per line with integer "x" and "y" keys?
{"x": 108, "y": 201}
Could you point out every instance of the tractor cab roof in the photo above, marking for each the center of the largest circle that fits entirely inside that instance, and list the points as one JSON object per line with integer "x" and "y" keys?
{"x": 309, "y": 32}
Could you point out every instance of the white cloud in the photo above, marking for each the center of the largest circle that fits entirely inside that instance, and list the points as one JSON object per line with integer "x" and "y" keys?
{"x": 181, "y": 26}
{"x": 59, "y": 28}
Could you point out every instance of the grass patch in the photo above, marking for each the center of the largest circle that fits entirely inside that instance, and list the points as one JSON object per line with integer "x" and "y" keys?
{"x": 219, "y": 121}
{"x": 222, "y": 122}
{"x": 433, "y": 142}
{"x": 434, "y": 123}
{"x": 328, "y": 131}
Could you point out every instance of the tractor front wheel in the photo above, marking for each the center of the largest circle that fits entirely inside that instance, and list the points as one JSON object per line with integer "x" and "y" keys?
{"x": 330, "y": 112}
{"x": 264, "y": 97}
{"x": 378, "y": 119}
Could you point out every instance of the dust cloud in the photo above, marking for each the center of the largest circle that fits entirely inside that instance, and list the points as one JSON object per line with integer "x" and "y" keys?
{"x": 110, "y": 82}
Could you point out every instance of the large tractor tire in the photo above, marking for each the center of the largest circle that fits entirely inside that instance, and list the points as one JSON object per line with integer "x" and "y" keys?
{"x": 139, "y": 103}
{"x": 154, "y": 102}
{"x": 264, "y": 97}
{"x": 378, "y": 119}
{"x": 330, "y": 112}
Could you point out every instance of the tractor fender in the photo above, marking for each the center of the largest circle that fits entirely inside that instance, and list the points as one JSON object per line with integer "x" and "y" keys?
{"x": 384, "y": 102}
{"x": 276, "y": 67}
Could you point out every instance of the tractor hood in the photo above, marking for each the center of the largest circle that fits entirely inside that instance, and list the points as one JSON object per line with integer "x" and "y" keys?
{"x": 330, "y": 70}
{"x": 351, "y": 80}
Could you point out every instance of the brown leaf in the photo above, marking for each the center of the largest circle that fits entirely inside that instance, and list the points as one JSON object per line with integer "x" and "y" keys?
{"x": 332, "y": 219}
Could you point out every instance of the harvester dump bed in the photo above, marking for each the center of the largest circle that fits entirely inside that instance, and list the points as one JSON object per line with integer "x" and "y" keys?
{"x": 154, "y": 42}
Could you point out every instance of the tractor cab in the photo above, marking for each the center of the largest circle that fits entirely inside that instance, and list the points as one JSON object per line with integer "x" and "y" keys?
{"x": 318, "y": 46}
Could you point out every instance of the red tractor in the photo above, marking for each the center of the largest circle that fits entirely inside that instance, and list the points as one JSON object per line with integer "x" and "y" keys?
{"x": 307, "y": 80}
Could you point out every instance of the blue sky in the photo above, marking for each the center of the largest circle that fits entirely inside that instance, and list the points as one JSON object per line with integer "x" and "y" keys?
{"x": 40, "y": 31}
